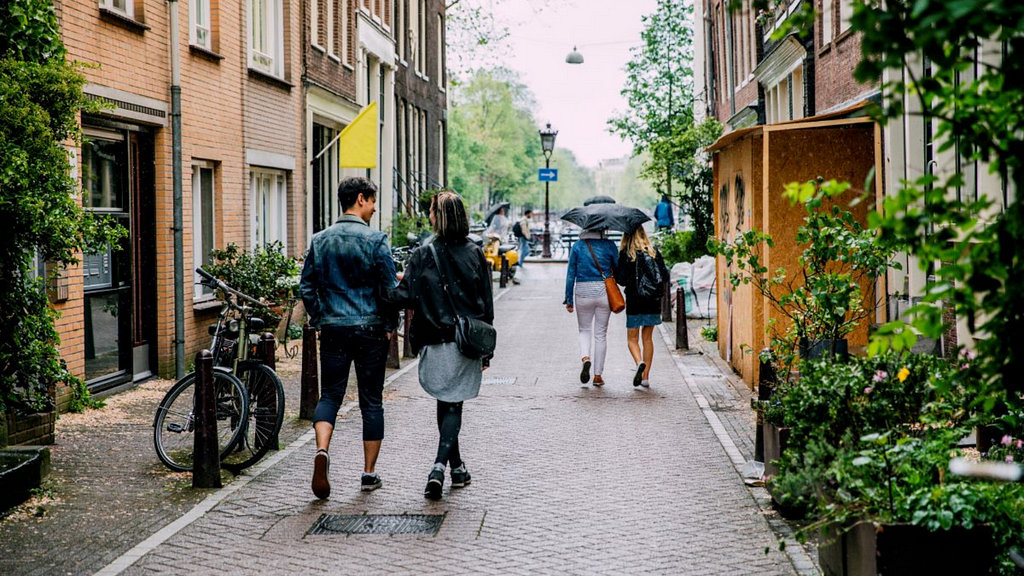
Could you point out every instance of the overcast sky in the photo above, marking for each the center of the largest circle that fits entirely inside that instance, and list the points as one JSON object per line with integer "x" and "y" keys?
{"x": 577, "y": 99}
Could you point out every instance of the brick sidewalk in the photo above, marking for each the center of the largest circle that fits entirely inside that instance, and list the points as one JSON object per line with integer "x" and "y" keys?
{"x": 568, "y": 479}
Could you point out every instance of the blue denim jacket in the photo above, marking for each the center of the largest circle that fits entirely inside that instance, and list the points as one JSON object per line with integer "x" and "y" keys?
{"x": 347, "y": 267}
{"x": 582, "y": 267}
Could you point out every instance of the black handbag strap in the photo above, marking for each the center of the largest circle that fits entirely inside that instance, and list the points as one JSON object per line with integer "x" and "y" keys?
{"x": 444, "y": 282}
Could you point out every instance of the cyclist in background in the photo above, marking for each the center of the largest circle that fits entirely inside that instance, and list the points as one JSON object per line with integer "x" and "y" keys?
{"x": 347, "y": 268}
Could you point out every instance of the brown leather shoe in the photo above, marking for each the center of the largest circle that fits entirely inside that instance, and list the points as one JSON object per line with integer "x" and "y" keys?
{"x": 598, "y": 381}
{"x": 321, "y": 469}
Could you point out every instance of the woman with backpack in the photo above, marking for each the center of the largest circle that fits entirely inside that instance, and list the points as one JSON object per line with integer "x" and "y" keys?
{"x": 642, "y": 274}
{"x": 446, "y": 279}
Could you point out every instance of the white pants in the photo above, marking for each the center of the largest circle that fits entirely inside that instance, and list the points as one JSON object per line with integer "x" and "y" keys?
{"x": 592, "y": 315}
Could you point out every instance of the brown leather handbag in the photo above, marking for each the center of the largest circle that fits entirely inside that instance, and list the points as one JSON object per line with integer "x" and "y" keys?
{"x": 615, "y": 300}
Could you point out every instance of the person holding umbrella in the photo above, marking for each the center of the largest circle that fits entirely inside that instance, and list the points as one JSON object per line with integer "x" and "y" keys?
{"x": 642, "y": 273}
{"x": 591, "y": 260}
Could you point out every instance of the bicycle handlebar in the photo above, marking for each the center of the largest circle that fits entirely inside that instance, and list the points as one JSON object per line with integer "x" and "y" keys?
{"x": 216, "y": 282}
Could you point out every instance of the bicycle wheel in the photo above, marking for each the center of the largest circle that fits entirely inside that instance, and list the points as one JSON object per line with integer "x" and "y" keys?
{"x": 266, "y": 414}
{"x": 174, "y": 424}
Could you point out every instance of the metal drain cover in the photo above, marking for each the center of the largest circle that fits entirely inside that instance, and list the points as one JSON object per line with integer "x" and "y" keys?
{"x": 377, "y": 524}
{"x": 498, "y": 381}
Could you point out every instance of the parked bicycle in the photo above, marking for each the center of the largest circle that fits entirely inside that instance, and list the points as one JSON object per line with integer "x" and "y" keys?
{"x": 249, "y": 396}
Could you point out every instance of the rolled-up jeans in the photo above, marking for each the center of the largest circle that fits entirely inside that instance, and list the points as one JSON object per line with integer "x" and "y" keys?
{"x": 592, "y": 315}
{"x": 340, "y": 347}
{"x": 524, "y": 250}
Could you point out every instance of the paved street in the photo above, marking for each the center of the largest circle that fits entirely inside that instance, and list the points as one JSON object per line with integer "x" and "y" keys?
{"x": 567, "y": 479}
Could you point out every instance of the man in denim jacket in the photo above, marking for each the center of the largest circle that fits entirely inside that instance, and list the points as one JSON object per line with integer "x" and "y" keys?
{"x": 347, "y": 268}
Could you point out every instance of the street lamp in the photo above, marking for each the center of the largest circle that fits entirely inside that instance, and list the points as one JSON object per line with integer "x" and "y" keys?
{"x": 574, "y": 57}
{"x": 547, "y": 143}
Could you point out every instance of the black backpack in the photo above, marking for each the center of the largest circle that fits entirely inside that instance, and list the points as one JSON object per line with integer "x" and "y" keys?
{"x": 649, "y": 279}
{"x": 517, "y": 230}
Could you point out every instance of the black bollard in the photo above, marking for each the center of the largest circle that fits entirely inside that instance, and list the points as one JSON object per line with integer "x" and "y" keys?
{"x": 267, "y": 350}
{"x": 682, "y": 338}
{"x": 406, "y": 343}
{"x": 205, "y": 451}
{"x": 310, "y": 382}
{"x": 666, "y": 302}
{"x": 765, "y": 383}
{"x": 393, "y": 360}
{"x": 503, "y": 278}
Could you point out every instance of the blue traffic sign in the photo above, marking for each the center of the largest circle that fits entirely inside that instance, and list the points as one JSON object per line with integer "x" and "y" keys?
{"x": 547, "y": 174}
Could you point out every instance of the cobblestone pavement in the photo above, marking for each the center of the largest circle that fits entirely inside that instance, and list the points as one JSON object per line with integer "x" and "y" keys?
{"x": 567, "y": 479}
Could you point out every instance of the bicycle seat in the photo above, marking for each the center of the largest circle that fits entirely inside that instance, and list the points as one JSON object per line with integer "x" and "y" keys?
{"x": 506, "y": 248}
{"x": 256, "y": 325}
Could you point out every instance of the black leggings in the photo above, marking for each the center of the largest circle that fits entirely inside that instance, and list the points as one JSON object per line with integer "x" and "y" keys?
{"x": 449, "y": 422}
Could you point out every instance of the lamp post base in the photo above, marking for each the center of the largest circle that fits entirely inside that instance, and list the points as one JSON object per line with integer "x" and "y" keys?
{"x": 546, "y": 252}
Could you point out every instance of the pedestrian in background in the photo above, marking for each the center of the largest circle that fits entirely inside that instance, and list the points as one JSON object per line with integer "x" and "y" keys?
{"x": 497, "y": 229}
{"x": 591, "y": 260}
{"x": 642, "y": 273}
{"x": 451, "y": 261}
{"x": 521, "y": 229}
{"x": 663, "y": 214}
{"x": 348, "y": 266}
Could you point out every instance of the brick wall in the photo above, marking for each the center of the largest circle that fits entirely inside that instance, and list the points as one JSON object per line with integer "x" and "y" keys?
{"x": 34, "y": 429}
{"x": 337, "y": 75}
{"x": 834, "y": 65}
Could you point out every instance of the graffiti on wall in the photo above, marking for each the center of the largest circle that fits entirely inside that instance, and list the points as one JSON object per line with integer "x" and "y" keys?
{"x": 741, "y": 201}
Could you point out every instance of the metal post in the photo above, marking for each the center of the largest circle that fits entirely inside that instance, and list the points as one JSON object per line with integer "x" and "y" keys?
{"x": 205, "y": 451}
{"x": 547, "y": 223}
{"x": 310, "y": 382}
{"x": 666, "y": 302}
{"x": 765, "y": 384}
{"x": 406, "y": 343}
{"x": 179, "y": 251}
{"x": 503, "y": 276}
{"x": 267, "y": 348}
{"x": 682, "y": 338}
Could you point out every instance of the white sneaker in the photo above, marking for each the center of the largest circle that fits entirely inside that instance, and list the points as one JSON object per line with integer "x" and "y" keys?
{"x": 645, "y": 383}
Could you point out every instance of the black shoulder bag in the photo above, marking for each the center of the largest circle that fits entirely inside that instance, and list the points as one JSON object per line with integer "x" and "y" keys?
{"x": 473, "y": 337}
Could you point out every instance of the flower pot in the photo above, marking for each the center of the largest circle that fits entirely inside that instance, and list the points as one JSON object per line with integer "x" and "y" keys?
{"x": 869, "y": 549}
{"x": 817, "y": 349}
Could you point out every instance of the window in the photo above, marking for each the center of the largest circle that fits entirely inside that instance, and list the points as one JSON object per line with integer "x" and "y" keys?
{"x": 314, "y": 22}
{"x": 845, "y": 13}
{"x": 422, "y": 37}
{"x": 440, "y": 152}
{"x": 125, "y": 7}
{"x": 269, "y": 207}
{"x": 826, "y": 22}
{"x": 414, "y": 22}
{"x": 331, "y": 24}
{"x": 400, "y": 29}
{"x": 442, "y": 81}
{"x": 266, "y": 37}
{"x": 202, "y": 220}
{"x": 199, "y": 24}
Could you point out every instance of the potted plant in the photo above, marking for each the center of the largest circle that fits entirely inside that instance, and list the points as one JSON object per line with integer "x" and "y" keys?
{"x": 266, "y": 273}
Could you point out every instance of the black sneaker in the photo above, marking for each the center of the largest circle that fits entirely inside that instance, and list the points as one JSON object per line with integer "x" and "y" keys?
{"x": 321, "y": 470}
{"x": 435, "y": 481}
{"x": 585, "y": 373}
{"x": 639, "y": 376}
{"x": 460, "y": 476}
{"x": 370, "y": 482}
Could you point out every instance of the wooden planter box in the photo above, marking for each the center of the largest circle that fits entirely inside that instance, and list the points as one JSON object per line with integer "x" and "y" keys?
{"x": 870, "y": 549}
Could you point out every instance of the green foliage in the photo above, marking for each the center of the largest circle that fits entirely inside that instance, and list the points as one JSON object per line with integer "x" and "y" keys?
{"x": 265, "y": 273}
{"x": 81, "y": 399}
{"x": 681, "y": 247}
{"x": 41, "y": 96}
{"x": 709, "y": 333}
{"x": 403, "y": 224}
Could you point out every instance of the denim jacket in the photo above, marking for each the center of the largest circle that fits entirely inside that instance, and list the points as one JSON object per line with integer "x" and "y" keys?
{"x": 582, "y": 267}
{"x": 347, "y": 269}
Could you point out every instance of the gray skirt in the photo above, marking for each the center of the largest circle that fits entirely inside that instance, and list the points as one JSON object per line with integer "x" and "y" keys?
{"x": 447, "y": 375}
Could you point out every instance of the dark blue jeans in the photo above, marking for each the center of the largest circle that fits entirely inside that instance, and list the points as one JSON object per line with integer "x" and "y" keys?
{"x": 340, "y": 347}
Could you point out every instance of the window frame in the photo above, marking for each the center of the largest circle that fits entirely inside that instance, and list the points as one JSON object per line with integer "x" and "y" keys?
{"x": 278, "y": 202}
{"x": 193, "y": 28}
{"x": 128, "y": 11}
{"x": 202, "y": 292}
{"x": 274, "y": 19}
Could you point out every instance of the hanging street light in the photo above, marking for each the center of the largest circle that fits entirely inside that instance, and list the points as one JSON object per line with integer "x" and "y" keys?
{"x": 547, "y": 144}
{"x": 574, "y": 57}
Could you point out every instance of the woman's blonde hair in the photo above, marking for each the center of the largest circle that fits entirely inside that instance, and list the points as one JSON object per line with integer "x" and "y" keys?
{"x": 451, "y": 221}
{"x": 635, "y": 241}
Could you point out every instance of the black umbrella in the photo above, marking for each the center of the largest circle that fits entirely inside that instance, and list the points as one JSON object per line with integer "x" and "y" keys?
{"x": 494, "y": 210}
{"x": 599, "y": 199}
{"x": 606, "y": 217}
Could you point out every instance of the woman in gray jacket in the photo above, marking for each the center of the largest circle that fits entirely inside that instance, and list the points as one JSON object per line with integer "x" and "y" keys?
{"x": 444, "y": 372}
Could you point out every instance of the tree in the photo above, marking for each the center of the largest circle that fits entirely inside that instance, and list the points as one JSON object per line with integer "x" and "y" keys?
{"x": 41, "y": 94}
{"x": 474, "y": 33}
{"x": 493, "y": 142}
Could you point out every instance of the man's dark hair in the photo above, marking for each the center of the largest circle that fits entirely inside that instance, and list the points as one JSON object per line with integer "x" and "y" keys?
{"x": 527, "y": 212}
{"x": 451, "y": 221}
{"x": 350, "y": 189}
{"x": 664, "y": 198}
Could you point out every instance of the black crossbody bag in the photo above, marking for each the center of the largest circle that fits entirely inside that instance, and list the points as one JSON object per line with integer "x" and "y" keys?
{"x": 473, "y": 337}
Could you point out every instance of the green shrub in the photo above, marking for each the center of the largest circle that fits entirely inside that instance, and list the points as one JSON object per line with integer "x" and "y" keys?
{"x": 402, "y": 224}
{"x": 681, "y": 247}
{"x": 265, "y": 273}
{"x": 709, "y": 333}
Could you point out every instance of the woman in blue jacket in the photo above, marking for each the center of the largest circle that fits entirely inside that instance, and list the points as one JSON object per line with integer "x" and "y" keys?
{"x": 591, "y": 260}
